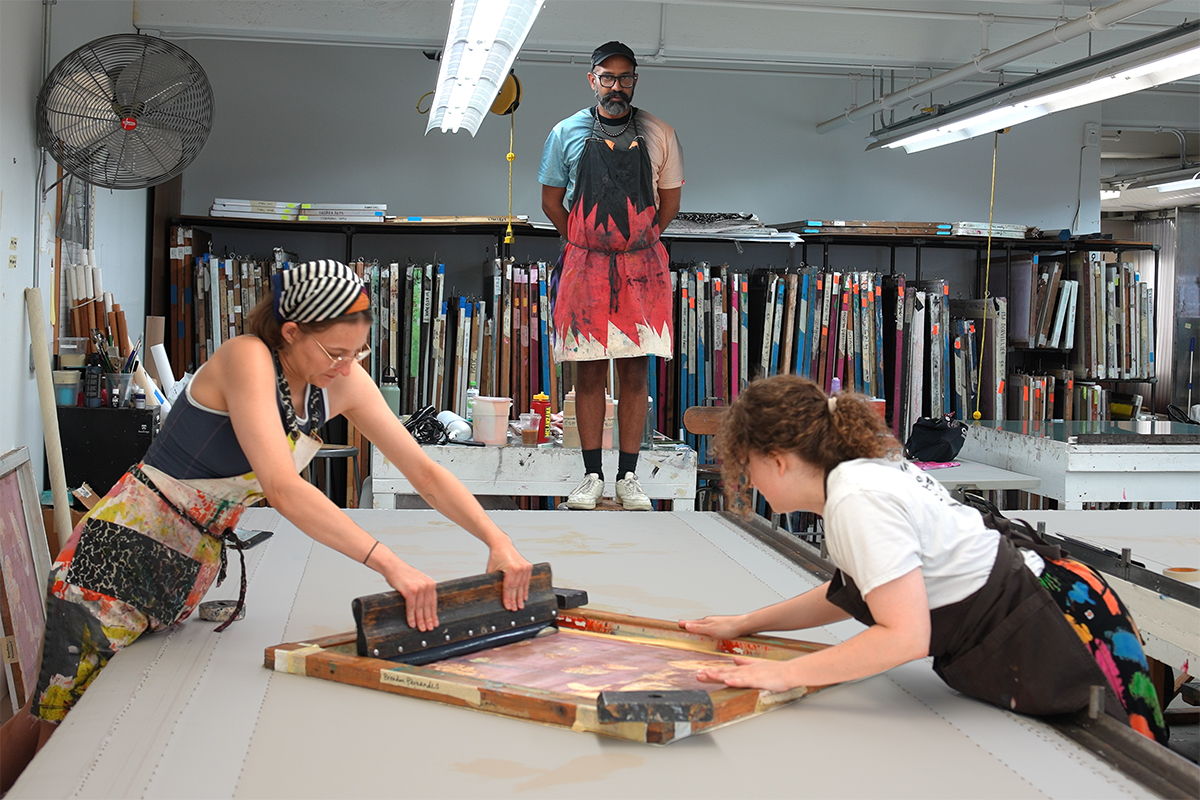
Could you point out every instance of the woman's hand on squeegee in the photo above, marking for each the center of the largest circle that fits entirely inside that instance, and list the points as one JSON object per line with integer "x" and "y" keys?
{"x": 419, "y": 592}
{"x": 505, "y": 558}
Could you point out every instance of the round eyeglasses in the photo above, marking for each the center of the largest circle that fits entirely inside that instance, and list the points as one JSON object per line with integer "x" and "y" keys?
{"x": 608, "y": 81}
{"x": 337, "y": 361}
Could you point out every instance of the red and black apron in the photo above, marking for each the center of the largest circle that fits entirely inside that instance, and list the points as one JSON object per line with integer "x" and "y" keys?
{"x": 613, "y": 292}
{"x": 1036, "y": 645}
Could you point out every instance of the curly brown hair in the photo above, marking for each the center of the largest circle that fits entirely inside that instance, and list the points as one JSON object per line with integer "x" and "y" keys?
{"x": 263, "y": 323}
{"x": 789, "y": 413}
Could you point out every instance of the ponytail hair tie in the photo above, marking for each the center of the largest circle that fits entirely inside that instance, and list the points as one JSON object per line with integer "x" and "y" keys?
{"x": 832, "y": 402}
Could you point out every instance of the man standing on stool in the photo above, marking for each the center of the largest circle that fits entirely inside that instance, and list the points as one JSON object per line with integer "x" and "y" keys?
{"x": 611, "y": 180}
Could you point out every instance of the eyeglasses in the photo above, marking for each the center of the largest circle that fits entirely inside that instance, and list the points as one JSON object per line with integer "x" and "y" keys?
{"x": 608, "y": 80}
{"x": 337, "y": 361}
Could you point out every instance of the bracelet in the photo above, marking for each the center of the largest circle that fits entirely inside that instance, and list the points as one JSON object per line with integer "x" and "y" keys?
{"x": 369, "y": 552}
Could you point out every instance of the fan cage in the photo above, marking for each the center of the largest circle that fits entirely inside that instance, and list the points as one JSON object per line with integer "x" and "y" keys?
{"x": 125, "y": 111}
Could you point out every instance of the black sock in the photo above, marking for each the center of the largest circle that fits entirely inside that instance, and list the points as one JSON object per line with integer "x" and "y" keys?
{"x": 591, "y": 462}
{"x": 626, "y": 462}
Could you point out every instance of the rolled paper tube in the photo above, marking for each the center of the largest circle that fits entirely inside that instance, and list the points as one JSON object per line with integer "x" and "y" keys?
{"x": 163, "y": 364}
{"x": 154, "y": 397}
{"x": 83, "y": 286}
{"x": 108, "y": 302}
{"x": 68, "y": 278}
{"x": 45, "y": 390}
{"x": 95, "y": 316}
{"x": 76, "y": 321}
{"x": 122, "y": 332}
{"x": 1186, "y": 574}
{"x": 97, "y": 280}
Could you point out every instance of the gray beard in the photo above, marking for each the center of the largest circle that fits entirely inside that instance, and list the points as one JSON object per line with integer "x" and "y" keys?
{"x": 616, "y": 105}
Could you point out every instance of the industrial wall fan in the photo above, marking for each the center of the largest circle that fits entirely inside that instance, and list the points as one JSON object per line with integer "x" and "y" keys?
{"x": 125, "y": 111}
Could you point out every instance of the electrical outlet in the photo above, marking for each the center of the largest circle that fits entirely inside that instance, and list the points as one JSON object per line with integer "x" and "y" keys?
{"x": 12, "y": 262}
{"x": 1091, "y": 135}
{"x": 12, "y": 243}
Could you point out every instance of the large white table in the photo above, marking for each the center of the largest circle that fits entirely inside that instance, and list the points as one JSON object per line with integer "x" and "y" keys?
{"x": 975, "y": 475}
{"x": 520, "y": 471}
{"x": 1090, "y": 462}
{"x": 194, "y": 714}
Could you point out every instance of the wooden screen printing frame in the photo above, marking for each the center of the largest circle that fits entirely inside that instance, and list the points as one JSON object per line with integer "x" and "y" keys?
{"x": 334, "y": 658}
{"x": 24, "y": 572}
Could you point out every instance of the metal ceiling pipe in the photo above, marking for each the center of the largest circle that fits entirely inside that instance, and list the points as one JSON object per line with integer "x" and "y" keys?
{"x": 864, "y": 11}
{"x": 1130, "y": 168}
{"x": 1092, "y": 21}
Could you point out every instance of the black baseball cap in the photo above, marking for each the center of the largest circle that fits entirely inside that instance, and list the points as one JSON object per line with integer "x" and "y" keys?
{"x": 610, "y": 49}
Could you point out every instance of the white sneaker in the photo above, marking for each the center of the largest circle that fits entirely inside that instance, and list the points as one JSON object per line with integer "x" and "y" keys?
{"x": 631, "y": 495}
{"x": 586, "y": 494}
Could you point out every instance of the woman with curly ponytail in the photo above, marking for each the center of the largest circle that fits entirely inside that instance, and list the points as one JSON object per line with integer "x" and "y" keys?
{"x": 1007, "y": 618}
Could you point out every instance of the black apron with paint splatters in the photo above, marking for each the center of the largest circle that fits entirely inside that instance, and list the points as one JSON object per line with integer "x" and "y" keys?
{"x": 1007, "y": 644}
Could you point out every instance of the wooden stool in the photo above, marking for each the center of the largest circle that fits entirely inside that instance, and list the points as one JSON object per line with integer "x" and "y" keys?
{"x": 705, "y": 421}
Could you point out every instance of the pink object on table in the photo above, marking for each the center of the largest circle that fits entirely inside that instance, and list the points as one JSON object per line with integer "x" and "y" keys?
{"x": 928, "y": 465}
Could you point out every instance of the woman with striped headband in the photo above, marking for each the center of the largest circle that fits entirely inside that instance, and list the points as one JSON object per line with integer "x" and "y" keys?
{"x": 144, "y": 556}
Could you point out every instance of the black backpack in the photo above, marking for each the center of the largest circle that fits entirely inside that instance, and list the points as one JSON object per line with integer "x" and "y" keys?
{"x": 935, "y": 439}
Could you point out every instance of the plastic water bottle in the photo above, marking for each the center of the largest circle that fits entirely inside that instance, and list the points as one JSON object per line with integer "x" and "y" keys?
{"x": 472, "y": 393}
{"x": 457, "y": 428}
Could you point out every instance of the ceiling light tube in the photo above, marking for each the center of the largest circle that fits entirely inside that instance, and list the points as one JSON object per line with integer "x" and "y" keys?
{"x": 1178, "y": 59}
{"x": 1177, "y": 186}
{"x": 481, "y": 44}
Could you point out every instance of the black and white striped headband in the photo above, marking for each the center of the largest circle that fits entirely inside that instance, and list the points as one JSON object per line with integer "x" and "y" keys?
{"x": 317, "y": 291}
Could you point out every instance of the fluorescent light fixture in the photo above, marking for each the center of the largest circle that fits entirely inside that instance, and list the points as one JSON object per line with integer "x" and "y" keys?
{"x": 1177, "y": 186}
{"x": 1110, "y": 194}
{"x": 1177, "y": 59}
{"x": 481, "y": 45}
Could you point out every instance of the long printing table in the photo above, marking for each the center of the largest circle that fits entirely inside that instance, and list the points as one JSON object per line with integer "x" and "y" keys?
{"x": 1157, "y": 539}
{"x": 1090, "y": 462}
{"x": 190, "y": 713}
{"x": 517, "y": 470}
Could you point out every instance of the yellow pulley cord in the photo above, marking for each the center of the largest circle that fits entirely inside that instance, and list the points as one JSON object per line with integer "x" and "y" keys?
{"x": 987, "y": 276}
{"x": 512, "y": 128}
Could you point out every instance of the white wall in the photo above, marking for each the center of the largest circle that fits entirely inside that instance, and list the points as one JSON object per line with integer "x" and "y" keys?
{"x": 20, "y": 30}
{"x": 345, "y": 129}
{"x": 120, "y": 216}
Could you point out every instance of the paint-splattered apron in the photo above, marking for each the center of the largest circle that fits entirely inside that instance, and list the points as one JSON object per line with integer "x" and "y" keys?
{"x": 142, "y": 559}
{"x": 612, "y": 296}
{"x": 1036, "y": 646}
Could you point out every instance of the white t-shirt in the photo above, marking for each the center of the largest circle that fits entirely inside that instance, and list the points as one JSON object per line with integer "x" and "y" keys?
{"x": 885, "y": 518}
